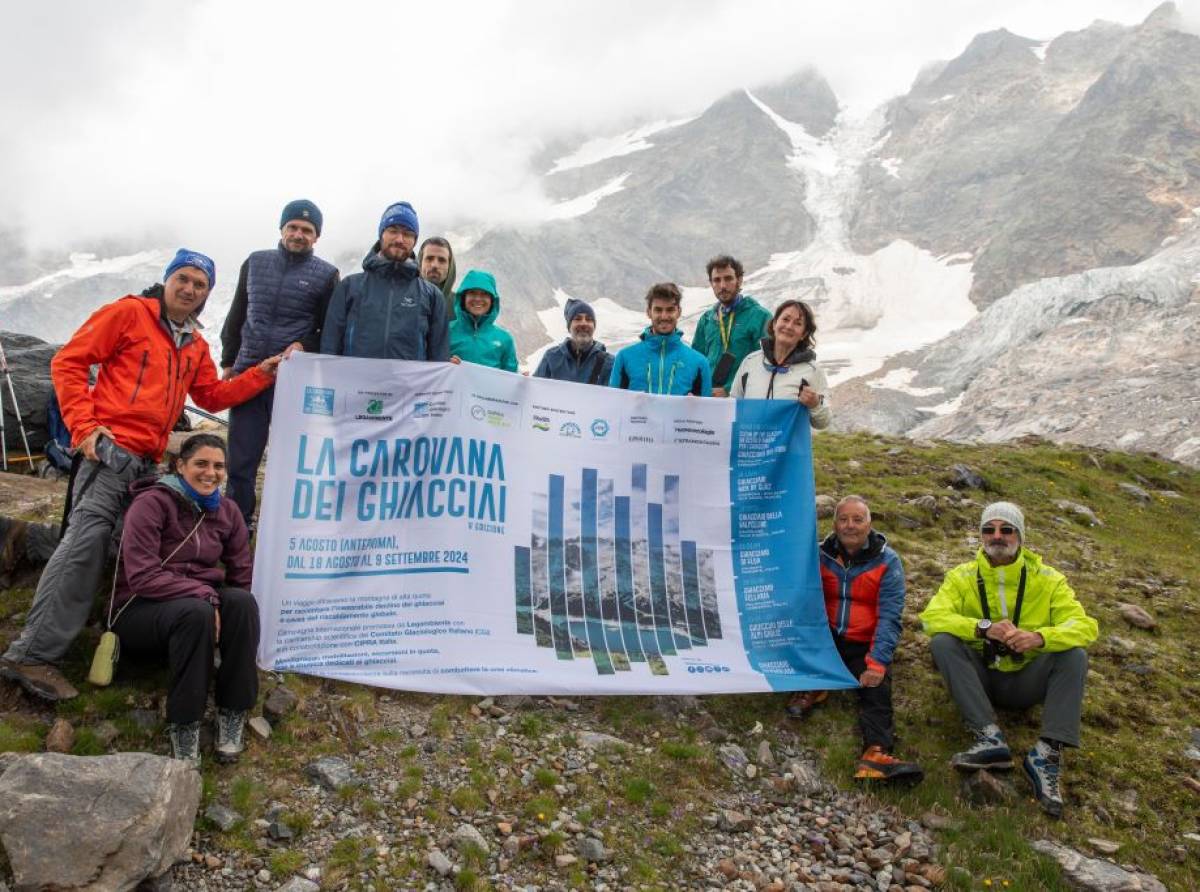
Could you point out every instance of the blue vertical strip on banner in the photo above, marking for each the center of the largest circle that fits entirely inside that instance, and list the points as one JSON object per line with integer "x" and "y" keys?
{"x": 558, "y": 571}
{"x": 691, "y": 592}
{"x": 588, "y": 565}
{"x": 524, "y": 592}
{"x": 625, "y": 594}
{"x": 606, "y": 565}
{"x": 777, "y": 576}
{"x": 658, "y": 581}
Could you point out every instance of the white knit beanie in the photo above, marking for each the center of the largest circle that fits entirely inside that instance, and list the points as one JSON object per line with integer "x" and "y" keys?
{"x": 1006, "y": 511}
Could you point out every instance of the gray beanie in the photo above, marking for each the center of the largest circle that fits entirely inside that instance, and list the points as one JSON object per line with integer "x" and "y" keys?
{"x": 1006, "y": 511}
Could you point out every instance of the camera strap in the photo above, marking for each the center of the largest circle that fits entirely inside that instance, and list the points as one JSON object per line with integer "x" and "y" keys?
{"x": 983, "y": 602}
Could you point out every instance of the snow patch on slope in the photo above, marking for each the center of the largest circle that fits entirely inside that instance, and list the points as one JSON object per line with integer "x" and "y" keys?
{"x": 605, "y": 147}
{"x": 583, "y": 204}
{"x": 83, "y": 266}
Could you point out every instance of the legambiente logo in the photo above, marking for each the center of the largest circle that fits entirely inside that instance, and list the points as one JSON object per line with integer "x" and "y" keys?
{"x": 373, "y": 411}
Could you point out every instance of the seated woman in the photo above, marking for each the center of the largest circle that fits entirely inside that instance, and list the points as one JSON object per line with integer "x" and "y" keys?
{"x": 174, "y": 599}
{"x": 474, "y": 335}
{"x": 785, "y": 368}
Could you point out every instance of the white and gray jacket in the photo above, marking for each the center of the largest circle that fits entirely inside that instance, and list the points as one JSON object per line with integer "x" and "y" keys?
{"x": 759, "y": 378}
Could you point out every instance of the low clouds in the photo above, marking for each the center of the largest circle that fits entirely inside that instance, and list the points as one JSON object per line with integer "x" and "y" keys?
{"x": 196, "y": 122}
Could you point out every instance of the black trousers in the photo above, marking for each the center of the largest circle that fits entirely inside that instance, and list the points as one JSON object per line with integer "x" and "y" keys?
{"x": 874, "y": 704}
{"x": 249, "y": 424}
{"x": 183, "y": 630}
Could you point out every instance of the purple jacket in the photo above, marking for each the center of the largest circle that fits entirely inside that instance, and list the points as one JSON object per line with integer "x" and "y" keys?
{"x": 158, "y": 520}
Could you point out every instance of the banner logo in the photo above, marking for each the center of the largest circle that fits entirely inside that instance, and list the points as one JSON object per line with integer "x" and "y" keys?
{"x": 318, "y": 400}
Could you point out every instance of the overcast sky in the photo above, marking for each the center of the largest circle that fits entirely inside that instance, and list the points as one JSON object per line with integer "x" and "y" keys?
{"x": 195, "y": 122}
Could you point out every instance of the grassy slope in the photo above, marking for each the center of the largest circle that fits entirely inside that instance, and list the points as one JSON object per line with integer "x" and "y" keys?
{"x": 1135, "y": 722}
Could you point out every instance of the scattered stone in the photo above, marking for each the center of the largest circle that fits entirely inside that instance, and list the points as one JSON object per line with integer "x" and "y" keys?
{"x": 466, "y": 835}
{"x": 594, "y": 740}
{"x": 806, "y": 777}
{"x": 964, "y": 477}
{"x": 564, "y": 861}
{"x": 728, "y": 869}
{"x": 734, "y": 821}
{"x": 212, "y": 862}
{"x": 259, "y": 727}
{"x": 145, "y": 719}
{"x": 1132, "y": 489}
{"x": 926, "y": 502}
{"x": 826, "y": 505}
{"x": 1095, "y": 874}
{"x": 299, "y": 884}
{"x": 61, "y": 737}
{"x": 765, "y": 757}
{"x": 1079, "y": 510}
{"x": 592, "y": 849}
{"x": 984, "y": 788}
{"x": 416, "y": 732}
{"x": 1104, "y": 846}
{"x": 279, "y": 704}
{"x": 1136, "y": 616}
{"x": 1120, "y": 647}
{"x": 224, "y": 819}
{"x": 140, "y": 809}
{"x": 734, "y": 758}
{"x": 504, "y": 827}
{"x": 439, "y": 862}
{"x": 751, "y": 771}
{"x": 332, "y": 773}
{"x": 934, "y": 821}
{"x": 106, "y": 733}
{"x": 1167, "y": 494}
{"x": 279, "y": 831}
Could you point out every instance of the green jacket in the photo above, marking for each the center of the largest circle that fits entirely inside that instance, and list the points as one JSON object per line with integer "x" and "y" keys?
{"x": 1049, "y": 608}
{"x": 744, "y": 332}
{"x": 480, "y": 340}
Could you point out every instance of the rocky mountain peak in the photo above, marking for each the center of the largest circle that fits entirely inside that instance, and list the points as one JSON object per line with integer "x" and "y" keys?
{"x": 805, "y": 98}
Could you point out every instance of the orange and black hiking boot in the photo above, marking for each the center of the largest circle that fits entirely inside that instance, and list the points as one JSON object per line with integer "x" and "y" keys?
{"x": 875, "y": 764}
{"x": 801, "y": 703}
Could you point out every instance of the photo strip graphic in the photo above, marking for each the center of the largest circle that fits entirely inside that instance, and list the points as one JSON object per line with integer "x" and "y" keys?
{"x": 606, "y": 577}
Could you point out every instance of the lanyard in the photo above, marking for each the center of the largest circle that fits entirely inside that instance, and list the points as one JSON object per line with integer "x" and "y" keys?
{"x": 983, "y": 604}
{"x": 726, "y": 330}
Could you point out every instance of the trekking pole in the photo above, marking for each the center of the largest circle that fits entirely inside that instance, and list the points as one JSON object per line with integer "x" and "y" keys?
{"x": 12, "y": 392}
{"x": 203, "y": 414}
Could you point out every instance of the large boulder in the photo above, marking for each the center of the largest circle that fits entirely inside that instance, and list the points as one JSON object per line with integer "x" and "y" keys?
{"x": 104, "y": 823}
{"x": 29, "y": 365}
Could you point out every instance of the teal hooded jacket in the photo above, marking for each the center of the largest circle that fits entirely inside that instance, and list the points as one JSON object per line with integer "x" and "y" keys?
{"x": 479, "y": 339}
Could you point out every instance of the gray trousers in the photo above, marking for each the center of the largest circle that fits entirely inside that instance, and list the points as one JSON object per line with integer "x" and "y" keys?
{"x": 1055, "y": 679}
{"x": 67, "y": 588}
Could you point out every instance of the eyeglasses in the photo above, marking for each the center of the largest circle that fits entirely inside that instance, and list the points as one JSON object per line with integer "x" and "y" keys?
{"x": 1005, "y": 530}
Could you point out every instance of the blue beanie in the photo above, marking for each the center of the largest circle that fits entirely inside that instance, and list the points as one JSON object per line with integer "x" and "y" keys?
{"x": 574, "y": 308}
{"x": 301, "y": 209}
{"x": 183, "y": 257}
{"x": 400, "y": 214}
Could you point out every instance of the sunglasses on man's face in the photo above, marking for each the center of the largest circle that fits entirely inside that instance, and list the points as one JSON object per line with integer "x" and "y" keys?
{"x": 997, "y": 531}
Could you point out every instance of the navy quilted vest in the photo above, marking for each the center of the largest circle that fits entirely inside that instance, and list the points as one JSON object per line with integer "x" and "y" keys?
{"x": 284, "y": 292}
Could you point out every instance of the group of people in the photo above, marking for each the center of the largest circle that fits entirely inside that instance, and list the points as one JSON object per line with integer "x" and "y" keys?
{"x": 1006, "y": 628}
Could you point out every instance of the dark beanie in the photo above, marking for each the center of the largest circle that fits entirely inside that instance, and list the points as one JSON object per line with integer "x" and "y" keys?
{"x": 574, "y": 308}
{"x": 301, "y": 209}
{"x": 400, "y": 214}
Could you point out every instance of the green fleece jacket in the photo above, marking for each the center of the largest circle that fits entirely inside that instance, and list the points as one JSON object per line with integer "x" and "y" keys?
{"x": 1049, "y": 608}
{"x": 745, "y": 326}
{"x": 478, "y": 339}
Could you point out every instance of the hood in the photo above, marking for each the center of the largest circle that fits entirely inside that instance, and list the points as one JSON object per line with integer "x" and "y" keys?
{"x": 875, "y": 544}
{"x": 378, "y": 265}
{"x": 477, "y": 279}
{"x": 447, "y": 287}
{"x": 800, "y": 354}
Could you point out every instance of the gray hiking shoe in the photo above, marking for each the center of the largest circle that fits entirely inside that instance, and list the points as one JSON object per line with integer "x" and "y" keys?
{"x": 1043, "y": 767}
{"x": 185, "y": 742}
{"x": 988, "y": 751}
{"x": 231, "y": 726}
{"x": 39, "y": 679}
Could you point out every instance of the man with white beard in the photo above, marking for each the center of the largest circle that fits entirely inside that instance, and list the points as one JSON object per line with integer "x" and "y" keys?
{"x": 1007, "y": 630}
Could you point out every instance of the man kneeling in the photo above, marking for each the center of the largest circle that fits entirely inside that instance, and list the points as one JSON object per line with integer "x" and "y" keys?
{"x": 1007, "y": 630}
{"x": 863, "y": 582}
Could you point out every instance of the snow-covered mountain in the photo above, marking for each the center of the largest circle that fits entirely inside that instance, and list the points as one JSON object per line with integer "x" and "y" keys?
{"x": 1008, "y": 248}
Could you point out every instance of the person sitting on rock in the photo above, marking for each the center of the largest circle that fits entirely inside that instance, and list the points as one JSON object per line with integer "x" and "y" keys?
{"x": 474, "y": 335}
{"x": 863, "y": 581}
{"x": 786, "y": 366}
{"x": 182, "y": 588}
{"x": 1007, "y": 630}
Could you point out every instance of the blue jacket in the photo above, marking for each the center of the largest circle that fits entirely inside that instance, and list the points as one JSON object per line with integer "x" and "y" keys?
{"x": 281, "y": 297}
{"x": 662, "y": 364}
{"x": 864, "y": 595}
{"x": 561, "y": 364}
{"x": 387, "y": 312}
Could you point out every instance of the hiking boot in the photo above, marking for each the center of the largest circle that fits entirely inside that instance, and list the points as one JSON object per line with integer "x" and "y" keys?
{"x": 185, "y": 742}
{"x": 231, "y": 725}
{"x": 801, "y": 703}
{"x": 39, "y": 679}
{"x": 1043, "y": 767}
{"x": 989, "y": 751}
{"x": 875, "y": 764}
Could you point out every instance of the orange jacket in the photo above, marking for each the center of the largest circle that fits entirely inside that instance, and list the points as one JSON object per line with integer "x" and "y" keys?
{"x": 144, "y": 378}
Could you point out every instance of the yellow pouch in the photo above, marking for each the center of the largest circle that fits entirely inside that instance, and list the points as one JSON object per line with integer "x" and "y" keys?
{"x": 108, "y": 651}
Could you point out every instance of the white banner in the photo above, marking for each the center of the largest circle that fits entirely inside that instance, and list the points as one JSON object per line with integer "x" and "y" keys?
{"x": 439, "y": 527}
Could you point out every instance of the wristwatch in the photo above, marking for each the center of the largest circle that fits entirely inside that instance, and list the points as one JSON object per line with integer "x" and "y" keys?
{"x": 982, "y": 627}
